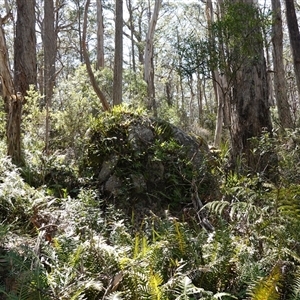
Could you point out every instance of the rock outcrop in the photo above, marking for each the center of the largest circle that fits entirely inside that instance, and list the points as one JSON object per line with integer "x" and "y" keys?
{"x": 146, "y": 165}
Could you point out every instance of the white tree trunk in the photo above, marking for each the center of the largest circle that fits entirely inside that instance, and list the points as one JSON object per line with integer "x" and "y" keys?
{"x": 100, "y": 36}
{"x": 148, "y": 57}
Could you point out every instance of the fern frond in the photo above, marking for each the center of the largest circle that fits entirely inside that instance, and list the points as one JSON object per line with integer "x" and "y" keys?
{"x": 288, "y": 202}
{"x": 115, "y": 296}
{"x": 180, "y": 237}
{"x": 154, "y": 283}
{"x": 76, "y": 256}
{"x": 184, "y": 289}
{"x": 144, "y": 246}
{"x": 245, "y": 210}
{"x": 268, "y": 288}
{"x": 136, "y": 247}
{"x": 220, "y": 295}
{"x": 141, "y": 246}
{"x": 296, "y": 289}
{"x": 292, "y": 254}
{"x": 217, "y": 207}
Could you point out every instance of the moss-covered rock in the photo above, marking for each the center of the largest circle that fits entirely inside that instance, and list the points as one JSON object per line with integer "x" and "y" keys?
{"x": 141, "y": 164}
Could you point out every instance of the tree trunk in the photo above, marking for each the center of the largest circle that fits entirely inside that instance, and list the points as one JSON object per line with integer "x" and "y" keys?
{"x": 294, "y": 38}
{"x": 12, "y": 103}
{"x": 24, "y": 73}
{"x": 219, "y": 89}
{"x": 148, "y": 57}
{"x": 79, "y": 11}
{"x": 100, "y": 36}
{"x": 50, "y": 48}
{"x": 250, "y": 114}
{"x": 25, "y": 62}
{"x": 279, "y": 72}
{"x": 118, "y": 61}
{"x": 200, "y": 100}
{"x": 5, "y": 72}
{"x": 95, "y": 86}
{"x": 129, "y": 6}
{"x": 220, "y": 110}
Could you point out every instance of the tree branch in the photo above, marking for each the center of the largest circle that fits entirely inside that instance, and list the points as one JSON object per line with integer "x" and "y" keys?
{"x": 95, "y": 86}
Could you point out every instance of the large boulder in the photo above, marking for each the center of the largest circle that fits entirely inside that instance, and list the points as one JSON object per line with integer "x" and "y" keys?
{"x": 144, "y": 165}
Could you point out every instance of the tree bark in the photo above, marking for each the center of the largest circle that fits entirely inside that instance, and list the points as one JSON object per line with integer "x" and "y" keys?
{"x": 12, "y": 103}
{"x": 148, "y": 57}
{"x": 95, "y": 86}
{"x": 5, "y": 72}
{"x": 250, "y": 114}
{"x": 24, "y": 73}
{"x": 294, "y": 35}
{"x": 218, "y": 81}
{"x": 220, "y": 109}
{"x": 129, "y": 7}
{"x": 50, "y": 49}
{"x": 25, "y": 62}
{"x": 280, "y": 89}
{"x": 118, "y": 60}
{"x": 100, "y": 36}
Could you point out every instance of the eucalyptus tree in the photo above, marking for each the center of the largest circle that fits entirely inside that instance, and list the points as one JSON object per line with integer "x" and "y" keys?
{"x": 219, "y": 80}
{"x": 130, "y": 25}
{"x": 235, "y": 49}
{"x": 50, "y": 51}
{"x": 137, "y": 11}
{"x": 15, "y": 88}
{"x": 294, "y": 36}
{"x": 100, "y": 35}
{"x": 250, "y": 114}
{"x": 118, "y": 59}
{"x": 11, "y": 103}
{"x": 148, "y": 57}
{"x": 69, "y": 28}
{"x": 94, "y": 83}
{"x": 280, "y": 86}
{"x": 24, "y": 74}
{"x": 25, "y": 46}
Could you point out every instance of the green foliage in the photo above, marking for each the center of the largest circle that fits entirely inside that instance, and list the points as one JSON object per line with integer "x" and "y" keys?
{"x": 80, "y": 245}
{"x": 295, "y": 295}
{"x": 33, "y": 122}
{"x": 153, "y": 162}
{"x": 74, "y": 106}
{"x": 16, "y": 197}
{"x": 134, "y": 88}
{"x": 288, "y": 151}
{"x": 231, "y": 42}
{"x": 263, "y": 221}
{"x": 268, "y": 288}
{"x": 24, "y": 282}
{"x": 239, "y": 30}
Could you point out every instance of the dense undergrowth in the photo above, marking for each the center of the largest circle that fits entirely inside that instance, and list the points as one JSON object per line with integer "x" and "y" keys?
{"x": 58, "y": 240}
